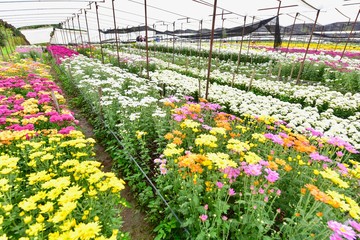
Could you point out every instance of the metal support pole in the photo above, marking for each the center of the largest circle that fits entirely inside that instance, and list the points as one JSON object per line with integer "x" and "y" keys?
{"x": 62, "y": 34}
{"x": 167, "y": 40}
{"x": 252, "y": 23}
{"x": 69, "y": 30}
{"x": 210, "y": 52}
{"x": 72, "y": 19}
{"x": 292, "y": 31}
{"x": 154, "y": 41}
{"x": 88, "y": 33}
{"x": 307, "y": 48}
{"x": 56, "y": 40}
{"x": 181, "y": 34}
{"x": 336, "y": 35}
{"x": 66, "y": 34}
{"x": 322, "y": 32}
{"x": 200, "y": 27}
{"x": 146, "y": 41}
{"x": 173, "y": 58}
{"x": 277, "y": 21}
{"x": 241, "y": 43}
{"x": 80, "y": 31}
{"x": 116, "y": 36}
{"x": 98, "y": 23}
{"x": 352, "y": 29}
{"x": 222, "y": 32}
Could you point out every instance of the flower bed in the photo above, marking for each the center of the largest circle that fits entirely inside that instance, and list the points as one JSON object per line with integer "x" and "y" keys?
{"x": 223, "y": 176}
{"x": 321, "y": 97}
{"x": 254, "y": 178}
{"x": 247, "y": 102}
{"x": 51, "y": 185}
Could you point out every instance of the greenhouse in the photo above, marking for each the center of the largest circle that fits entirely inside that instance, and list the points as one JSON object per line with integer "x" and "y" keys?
{"x": 193, "y": 119}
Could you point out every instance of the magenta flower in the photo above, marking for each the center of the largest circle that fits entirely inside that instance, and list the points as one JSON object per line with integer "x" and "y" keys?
{"x": 188, "y": 98}
{"x": 203, "y": 217}
{"x": 231, "y": 192}
{"x": 339, "y": 153}
{"x": 224, "y": 218}
{"x": 272, "y": 175}
{"x": 206, "y": 127}
{"x": 231, "y": 173}
{"x": 2, "y": 120}
{"x": 220, "y": 185}
{"x": 178, "y": 117}
{"x": 163, "y": 169}
{"x": 157, "y": 160}
{"x": 17, "y": 127}
{"x": 335, "y": 236}
{"x": 355, "y": 225}
{"x": 66, "y": 130}
{"x": 60, "y": 52}
{"x": 31, "y": 94}
{"x": 274, "y": 138}
{"x": 343, "y": 169}
{"x": 206, "y": 207}
{"x": 253, "y": 169}
{"x": 315, "y": 133}
{"x": 318, "y": 157}
{"x": 342, "y": 230}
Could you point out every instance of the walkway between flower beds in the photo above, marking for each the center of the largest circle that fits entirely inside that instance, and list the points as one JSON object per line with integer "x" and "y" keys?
{"x": 133, "y": 219}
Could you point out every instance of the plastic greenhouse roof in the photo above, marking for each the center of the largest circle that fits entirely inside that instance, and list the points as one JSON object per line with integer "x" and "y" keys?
{"x": 163, "y": 13}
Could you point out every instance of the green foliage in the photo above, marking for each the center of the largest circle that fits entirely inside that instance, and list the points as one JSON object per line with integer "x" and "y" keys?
{"x": 2, "y": 39}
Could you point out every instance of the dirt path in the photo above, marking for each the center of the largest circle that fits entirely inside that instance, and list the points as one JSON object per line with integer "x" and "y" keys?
{"x": 134, "y": 222}
{"x": 133, "y": 219}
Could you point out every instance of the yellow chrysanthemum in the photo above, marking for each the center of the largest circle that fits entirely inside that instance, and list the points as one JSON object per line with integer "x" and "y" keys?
{"x": 334, "y": 177}
{"x": 221, "y": 160}
{"x": 237, "y": 146}
{"x": 86, "y": 231}
{"x": 252, "y": 158}
{"x": 171, "y": 150}
{"x": 206, "y": 140}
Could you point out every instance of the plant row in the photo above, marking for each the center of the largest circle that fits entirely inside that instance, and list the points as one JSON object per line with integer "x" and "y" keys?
{"x": 51, "y": 187}
{"x": 297, "y": 116}
{"x": 321, "y": 97}
{"x": 223, "y": 176}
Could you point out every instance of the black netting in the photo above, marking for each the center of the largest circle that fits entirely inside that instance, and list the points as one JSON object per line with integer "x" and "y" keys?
{"x": 277, "y": 40}
{"x": 196, "y": 34}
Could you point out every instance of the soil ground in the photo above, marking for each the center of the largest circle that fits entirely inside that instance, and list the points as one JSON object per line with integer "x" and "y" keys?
{"x": 133, "y": 219}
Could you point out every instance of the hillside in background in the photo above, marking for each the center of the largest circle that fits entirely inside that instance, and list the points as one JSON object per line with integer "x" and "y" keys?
{"x": 10, "y": 37}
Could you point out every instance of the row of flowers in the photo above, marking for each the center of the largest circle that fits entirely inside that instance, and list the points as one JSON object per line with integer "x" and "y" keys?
{"x": 297, "y": 116}
{"x": 247, "y": 102}
{"x": 51, "y": 185}
{"x": 325, "y": 57}
{"x": 308, "y": 95}
{"x": 225, "y": 176}
{"x": 250, "y": 177}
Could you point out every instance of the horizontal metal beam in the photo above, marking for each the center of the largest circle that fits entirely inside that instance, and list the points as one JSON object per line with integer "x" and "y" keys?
{"x": 271, "y": 8}
{"x": 36, "y": 9}
{"x": 34, "y": 1}
{"x": 34, "y": 14}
